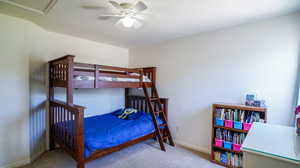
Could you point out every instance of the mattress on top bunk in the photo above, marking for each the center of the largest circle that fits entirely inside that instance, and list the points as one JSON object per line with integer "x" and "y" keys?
{"x": 107, "y": 130}
{"x": 113, "y": 79}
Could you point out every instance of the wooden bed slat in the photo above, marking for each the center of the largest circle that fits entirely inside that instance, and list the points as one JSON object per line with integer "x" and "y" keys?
{"x": 105, "y": 67}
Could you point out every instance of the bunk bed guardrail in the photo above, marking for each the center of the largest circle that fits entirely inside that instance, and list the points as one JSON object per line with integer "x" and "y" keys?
{"x": 139, "y": 102}
{"x": 61, "y": 70}
{"x": 64, "y": 69}
{"x": 66, "y": 127}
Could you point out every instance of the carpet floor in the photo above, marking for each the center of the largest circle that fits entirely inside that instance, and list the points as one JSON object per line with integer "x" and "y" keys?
{"x": 142, "y": 155}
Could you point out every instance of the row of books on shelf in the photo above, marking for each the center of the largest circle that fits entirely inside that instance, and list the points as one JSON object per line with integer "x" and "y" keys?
{"x": 229, "y": 140}
{"x": 234, "y": 118}
{"x": 238, "y": 115}
{"x": 228, "y": 158}
{"x": 226, "y": 135}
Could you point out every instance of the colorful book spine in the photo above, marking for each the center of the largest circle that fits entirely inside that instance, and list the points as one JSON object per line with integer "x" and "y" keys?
{"x": 229, "y": 159}
{"x": 229, "y": 136}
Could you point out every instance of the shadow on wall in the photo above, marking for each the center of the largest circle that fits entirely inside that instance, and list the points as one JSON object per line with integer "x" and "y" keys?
{"x": 97, "y": 101}
{"x": 38, "y": 110}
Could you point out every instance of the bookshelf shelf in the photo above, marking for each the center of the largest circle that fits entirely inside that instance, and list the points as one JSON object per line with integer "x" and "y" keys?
{"x": 225, "y": 149}
{"x": 261, "y": 113}
{"x": 222, "y": 164}
{"x": 231, "y": 129}
{"x": 241, "y": 107}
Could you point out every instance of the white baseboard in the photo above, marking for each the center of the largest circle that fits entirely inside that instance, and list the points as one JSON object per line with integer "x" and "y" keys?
{"x": 36, "y": 155}
{"x": 194, "y": 147}
{"x": 17, "y": 163}
{"x": 23, "y": 162}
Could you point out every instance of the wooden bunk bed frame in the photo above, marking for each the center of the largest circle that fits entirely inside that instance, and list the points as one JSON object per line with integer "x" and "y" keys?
{"x": 61, "y": 74}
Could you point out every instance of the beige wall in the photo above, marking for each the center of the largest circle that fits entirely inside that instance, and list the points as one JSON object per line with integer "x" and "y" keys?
{"x": 223, "y": 66}
{"x": 25, "y": 50}
{"x": 48, "y": 45}
{"x": 14, "y": 91}
{"x": 97, "y": 101}
{"x": 56, "y": 45}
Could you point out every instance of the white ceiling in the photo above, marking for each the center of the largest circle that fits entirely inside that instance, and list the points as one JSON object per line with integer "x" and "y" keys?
{"x": 166, "y": 19}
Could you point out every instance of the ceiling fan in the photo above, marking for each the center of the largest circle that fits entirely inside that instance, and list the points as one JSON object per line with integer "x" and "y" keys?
{"x": 128, "y": 13}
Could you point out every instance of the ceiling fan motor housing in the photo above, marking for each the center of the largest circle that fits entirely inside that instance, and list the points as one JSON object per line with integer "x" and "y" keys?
{"x": 128, "y": 9}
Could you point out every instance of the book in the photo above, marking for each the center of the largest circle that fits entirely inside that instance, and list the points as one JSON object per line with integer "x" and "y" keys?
{"x": 228, "y": 158}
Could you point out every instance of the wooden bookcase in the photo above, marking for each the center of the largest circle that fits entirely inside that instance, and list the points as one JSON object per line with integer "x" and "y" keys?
{"x": 260, "y": 110}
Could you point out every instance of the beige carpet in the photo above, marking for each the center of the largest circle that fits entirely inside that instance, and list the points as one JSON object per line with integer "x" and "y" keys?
{"x": 142, "y": 155}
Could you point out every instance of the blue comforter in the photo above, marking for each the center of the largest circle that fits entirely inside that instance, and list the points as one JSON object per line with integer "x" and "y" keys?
{"x": 105, "y": 131}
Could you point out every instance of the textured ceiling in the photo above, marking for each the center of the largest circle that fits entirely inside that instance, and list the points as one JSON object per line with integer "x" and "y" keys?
{"x": 165, "y": 19}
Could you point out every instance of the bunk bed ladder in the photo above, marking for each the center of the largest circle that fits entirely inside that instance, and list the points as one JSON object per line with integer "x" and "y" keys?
{"x": 162, "y": 131}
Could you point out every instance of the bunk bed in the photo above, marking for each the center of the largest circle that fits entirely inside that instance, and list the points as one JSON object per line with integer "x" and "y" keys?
{"x": 86, "y": 139}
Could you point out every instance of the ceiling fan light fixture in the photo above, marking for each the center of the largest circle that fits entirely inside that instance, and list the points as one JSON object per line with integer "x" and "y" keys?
{"x": 127, "y": 13}
{"x": 128, "y": 22}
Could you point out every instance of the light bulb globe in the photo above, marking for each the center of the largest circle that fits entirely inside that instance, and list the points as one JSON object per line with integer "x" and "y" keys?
{"x": 127, "y": 22}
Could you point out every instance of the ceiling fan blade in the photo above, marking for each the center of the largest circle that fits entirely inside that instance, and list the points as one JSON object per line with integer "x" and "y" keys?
{"x": 93, "y": 5}
{"x": 104, "y": 17}
{"x": 115, "y": 4}
{"x": 118, "y": 22}
{"x": 137, "y": 24}
{"x": 140, "y": 6}
{"x": 112, "y": 15}
{"x": 140, "y": 17}
{"x": 108, "y": 16}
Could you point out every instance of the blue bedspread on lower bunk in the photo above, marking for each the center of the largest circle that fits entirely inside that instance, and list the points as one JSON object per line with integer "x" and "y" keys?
{"x": 105, "y": 131}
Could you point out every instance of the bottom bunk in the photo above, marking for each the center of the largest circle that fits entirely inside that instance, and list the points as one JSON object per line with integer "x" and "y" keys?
{"x": 109, "y": 130}
{"x": 86, "y": 139}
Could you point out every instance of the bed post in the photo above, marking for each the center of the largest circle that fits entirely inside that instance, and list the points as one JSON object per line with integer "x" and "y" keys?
{"x": 126, "y": 97}
{"x": 154, "y": 75}
{"x": 151, "y": 73}
{"x": 80, "y": 138}
{"x": 141, "y": 77}
{"x": 70, "y": 74}
{"x": 51, "y": 89}
{"x": 50, "y": 97}
{"x": 79, "y": 116}
{"x": 153, "y": 80}
{"x": 96, "y": 75}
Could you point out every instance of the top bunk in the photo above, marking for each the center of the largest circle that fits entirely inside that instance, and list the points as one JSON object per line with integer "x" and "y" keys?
{"x": 64, "y": 72}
